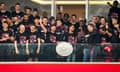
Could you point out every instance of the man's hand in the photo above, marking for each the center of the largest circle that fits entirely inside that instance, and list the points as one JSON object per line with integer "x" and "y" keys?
{"x": 38, "y": 51}
{"x": 109, "y": 4}
{"x": 42, "y": 40}
{"x": 17, "y": 52}
{"x": 108, "y": 33}
{"x": 116, "y": 26}
{"x": 86, "y": 36}
{"x": 27, "y": 52}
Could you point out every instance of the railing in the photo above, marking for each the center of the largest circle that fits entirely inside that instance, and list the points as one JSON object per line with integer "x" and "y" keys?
{"x": 61, "y": 52}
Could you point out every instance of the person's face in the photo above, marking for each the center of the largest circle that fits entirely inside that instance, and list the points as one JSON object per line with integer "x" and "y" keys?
{"x": 35, "y": 13}
{"x": 73, "y": 18}
{"x": 53, "y": 22}
{"x": 114, "y": 21}
{"x": 22, "y": 28}
{"x": 59, "y": 23}
{"x": 5, "y": 25}
{"x": 3, "y": 6}
{"x": 81, "y": 23}
{"x": 17, "y": 7}
{"x": 32, "y": 28}
{"x": 102, "y": 21}
{"x": 53, "y": 28}
{"x": 3, "y": 20}
{"x": 36, "y": 21}
{"x": 45, "y": 20}
{"x": 26, "y": 17}
{"x": 66, "y": 17}
{"x": 115, "y": 4}
{"x": 28, "y": 11}
{"x": 90, "y": 28}
{"x": 59, "y": 16}
{"x": 98, "y": 19}
{"x": 94, "y": 19}
{"x": 72, "y": 28}
{"x": 80, "y": 19}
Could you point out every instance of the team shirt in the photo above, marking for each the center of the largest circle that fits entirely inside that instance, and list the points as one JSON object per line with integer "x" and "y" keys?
{"x": 51, "y": 37}
{"x": 21, "y": 37}
{"x": 5, "y": 34}
{"x": 33, "y": 37}
{"x": 70, "y": 37}
{"x": 4, "y": 15}
{"x": 18, "y": 15}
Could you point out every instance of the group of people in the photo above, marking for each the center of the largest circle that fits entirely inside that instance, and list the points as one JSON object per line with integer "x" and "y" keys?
{"x": 28, "y": 28}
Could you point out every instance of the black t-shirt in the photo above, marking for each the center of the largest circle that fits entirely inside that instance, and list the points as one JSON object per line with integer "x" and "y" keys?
{"x": 39, "y": 29}
{"x": 36, "y": 17}
{"x": 114, "y": 12}
{"x": 41, "y": 32}
{"x": 66, "y": 23}
{"x": 31, "y": 18}
{"x": 5, "y": 14}
{"x": 5, "y": 34}
{"x": 27, "y": 24}
{"x": 76, "y": 25}
{"x": 51, "y": 37}
{"x": 21, "y": 37}
{"x": 78, "y": 29}
{"x": 104, "y": 38}
{"x": 80, "y": 37}
{"x": 115, "y": 36}
{"x": 98, "y": 25}
{"x": 33, "y": 37}
{"x": 47, "y": 26}
{"x": 115, "y": 31}
{"x": 11, "y": 28}
{"x": 114, "y": 39}
{"x": 84, "y": 27}
{"x": 60, "y": 33}
{"x": 19, "y": 15}
{"x": 15, "y": 27}
{"x": 70, "y": 38}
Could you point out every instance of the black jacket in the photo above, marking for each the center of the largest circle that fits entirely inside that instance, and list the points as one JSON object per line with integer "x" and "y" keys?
{"x": 94, "y": 37}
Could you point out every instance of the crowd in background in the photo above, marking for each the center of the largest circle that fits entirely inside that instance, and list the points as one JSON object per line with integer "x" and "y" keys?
{"x": 28, "y": 27}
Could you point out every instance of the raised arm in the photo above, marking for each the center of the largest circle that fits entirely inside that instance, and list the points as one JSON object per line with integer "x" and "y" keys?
{"x": 42, "y": 26}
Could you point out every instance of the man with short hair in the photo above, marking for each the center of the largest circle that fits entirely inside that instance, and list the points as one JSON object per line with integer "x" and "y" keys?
{"x": 3, "y": 11}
